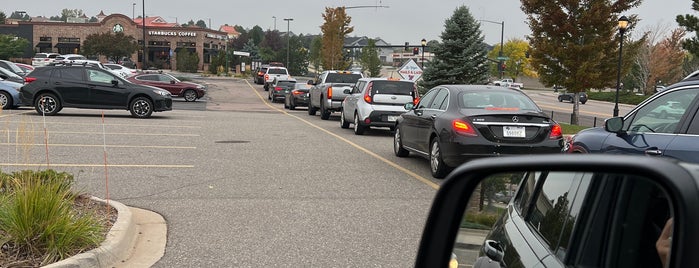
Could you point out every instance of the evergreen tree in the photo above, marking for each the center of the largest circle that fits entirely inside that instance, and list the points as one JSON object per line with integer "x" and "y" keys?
{"x": 461, "y": 58}
{"x": 2, "y": 17}
{"x": 187, "y": 61}
{"x": 112, "y": 45}
{"x": 201, "y": 24}
{"x": 691, "y": 24}
{"x": 315, "y": 56}
{"x": 370, "y": 59}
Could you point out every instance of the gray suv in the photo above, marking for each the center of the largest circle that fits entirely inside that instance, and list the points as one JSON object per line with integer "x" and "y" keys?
{"x": 376, "y": 102}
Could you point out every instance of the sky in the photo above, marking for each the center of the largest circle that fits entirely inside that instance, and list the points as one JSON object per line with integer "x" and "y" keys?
{"x": 395, "y": 21}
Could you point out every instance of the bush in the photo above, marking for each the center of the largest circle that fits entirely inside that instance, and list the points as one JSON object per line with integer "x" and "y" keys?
{"x": 187, "y": 61}
{"x": 625, "y": 97}
{"x": 486, "y": 220}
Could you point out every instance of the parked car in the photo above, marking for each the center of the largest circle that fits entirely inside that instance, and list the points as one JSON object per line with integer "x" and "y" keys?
{"x": 9, "y": 95}
{"x": 127, "y": 62}
{"x": 12, "y": 67}
{"x": 187, "y": 90}
{"x": 376, "y": 102}
{"x": 565, "y": 96}
{"x": 43, "y": 59}
{"x": 275, "y": 73}
{"x": 70, "y": 59}
{"x": 259, "y": 77}
{"x": 646, "y": 130}
{"x": 50, "y": 89}
{"x": 327, "y": 93}
{"x": 455, "y": 123}
{"x": 121, "y": 70}
{"x": 8, "y": 75}
{"x": 25, "y": 67}
{"x": 279, "y": 87}
{"x": 298, "y": 96}
{"x": 570, "y": 211}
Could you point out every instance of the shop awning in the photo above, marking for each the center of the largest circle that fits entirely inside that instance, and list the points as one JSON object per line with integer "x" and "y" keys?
{"x": 67, "y": 45}
{"x": 43, "y": 44}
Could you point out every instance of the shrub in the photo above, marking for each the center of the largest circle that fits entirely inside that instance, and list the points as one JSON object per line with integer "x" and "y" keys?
{"x": 483, "y": 219}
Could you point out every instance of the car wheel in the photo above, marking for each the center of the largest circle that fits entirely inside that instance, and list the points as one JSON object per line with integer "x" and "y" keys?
{"x": 324, "y": 113}
{"x": 141, "y": 107}
{"x": 358, "y": 128}
{"x": 5, "y": 100}
{"x": 292, "y": 105}
{"x": 398, "y": 144}
{"x": 583, "y": 102}
{"x": 560, "y": 99}
{"x": 343, "y": 121}
{"x": 286, "y": 105}
{"x": 266, "y": 87}
{"x": 47, "y": 104}
{"x": 190, "y": 95}
{"x": 311, "y": 110}
{"x": 437, "y": 166}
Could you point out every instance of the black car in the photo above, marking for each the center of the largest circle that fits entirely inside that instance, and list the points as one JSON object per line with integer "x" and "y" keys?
{"x": 455, "y": 123}
{"x": 569, "y": 211}
{"x": 565, "y": 96}
{"x": 278, "y": 88}
{"x": 259, "y": 76}
{"x": 49, "y": 89}
{"x": 666, "y": 124}
{"x": 298, "y": 96}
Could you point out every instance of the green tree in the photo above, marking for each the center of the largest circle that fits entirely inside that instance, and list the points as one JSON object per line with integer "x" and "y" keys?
{"x": 2, "y": 17}
{"x": 187, "y": 61}
{"x": 12, "y": 46}
{"x": 17, "y": 15}
{"x": 111, "y": 45}
{"x": 517, "y": 64}
{"x": 335, "y": 27}
{"x": 94, "y": 19}
{"x": 201, "y": 24}
{"x": 70, "y": 13}
{"x": 315, "y": 56}
{"x": 256, "y": 35}
{"x": 461, "y": 58}
{"x": 370, "y": 59}
{"x": 189, "y": 23}
{"x": 272, "y": 46}
{"x": 691, "y": 24}
{"x": 575, "y": 45}
{"x": 298, "y": 56}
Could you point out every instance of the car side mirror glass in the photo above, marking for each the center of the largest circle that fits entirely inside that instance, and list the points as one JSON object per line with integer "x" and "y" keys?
{"x": 311, "y": 82}
{"x": 115, "y": 83}
{"x": 347, "y": 91}
{"x": 409, "y": 106}
{"x": 614, "y": 124}
{"x": 172, "y": 81}
{"x": 499, "y": 209}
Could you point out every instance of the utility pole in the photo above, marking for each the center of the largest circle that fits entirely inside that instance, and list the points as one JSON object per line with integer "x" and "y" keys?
{"x": 288, "y": 21}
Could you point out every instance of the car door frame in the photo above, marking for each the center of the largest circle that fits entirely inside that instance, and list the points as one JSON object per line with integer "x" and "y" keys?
{"x": 409, "y": 122}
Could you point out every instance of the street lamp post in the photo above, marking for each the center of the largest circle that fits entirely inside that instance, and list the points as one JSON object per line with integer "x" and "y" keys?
{"x": 133, "y": 11}
{"x": 288, "y": 21}
{"x": 143, "y": 25}
{"x": 275, "y": 22}
{"x": 423, "y": 42}
{"x": 623, "y": 24}
{"x": 502, "y": 37}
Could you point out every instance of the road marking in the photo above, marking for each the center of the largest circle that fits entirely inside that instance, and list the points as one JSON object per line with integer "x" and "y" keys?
{"x": 101, "y": 145}
{"x": 97, "y": 123}
{"x": 11, "y": 114}
{"x": 382, "y": 159}
{"x": 108, "y": 133}
{"x": 94, "y": 165}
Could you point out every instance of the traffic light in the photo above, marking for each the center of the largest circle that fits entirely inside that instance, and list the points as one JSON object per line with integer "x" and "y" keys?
{"x": 406, "y": 46}
{"x": 416, "y": 51}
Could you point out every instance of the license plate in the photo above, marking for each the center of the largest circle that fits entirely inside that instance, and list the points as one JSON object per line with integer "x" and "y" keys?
{"x": 392, "y": 118}
{"x": 513, "y": 132}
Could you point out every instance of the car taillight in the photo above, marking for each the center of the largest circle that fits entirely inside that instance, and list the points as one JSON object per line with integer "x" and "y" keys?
{"x": 556, "y": 132}
{"x": 416, "y": 100}
{"x": 47, "y": 59}
{"x": 330, "y": 92}
{"x": 266, "y": 77}
{"x": 463, "y": 128}
{"x": 278, "y": 88}
{"x": 296, "y": 92}
{"x": 367, "y": 93}
{"x": 28, "y": 79}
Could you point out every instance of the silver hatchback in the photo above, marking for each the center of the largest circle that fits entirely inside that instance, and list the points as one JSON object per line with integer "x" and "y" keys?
{"x": 376, "y": 102}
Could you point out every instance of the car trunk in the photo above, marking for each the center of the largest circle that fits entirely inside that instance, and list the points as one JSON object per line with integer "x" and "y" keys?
{"x": 520, "y": 128}
{"x": 392, "y": 92}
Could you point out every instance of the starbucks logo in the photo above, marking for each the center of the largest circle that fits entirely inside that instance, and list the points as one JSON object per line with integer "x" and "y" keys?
{"x": 117, "y": 28}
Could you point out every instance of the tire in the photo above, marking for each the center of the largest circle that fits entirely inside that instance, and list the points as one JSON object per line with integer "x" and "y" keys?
{"x": 583, "y": 102}
{"x": 343, "y": 122}
{"x": 437, "y": 166}
{"x": 324, "y": 113}
{"x": 141, "y": 107}
{"x": 398, "y": 149}
{"x": 5, "y": 100}
{"x": 560, "y": 99}
{"x": 50, "y": 103}
{"x": 292, "y": 105}
{"x": 358, "y": 128}
{"x": 190, "y": 95}
{"x": 286, "y": 106}
{"x": 311, "y": 110}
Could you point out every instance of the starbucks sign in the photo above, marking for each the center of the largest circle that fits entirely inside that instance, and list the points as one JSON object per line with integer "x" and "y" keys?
{"x": 117, "y": 28}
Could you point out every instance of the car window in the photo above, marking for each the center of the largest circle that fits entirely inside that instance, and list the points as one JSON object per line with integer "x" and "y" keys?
{"x": 663, "y": 114}
{"x": 98, "y": 76}
{"x": 392, "y": 87}
{"x": 495, "y": 101}
{"x": 70, "y": 73}
{"x": 149, "y": 77}
{"x": 427, "y": 99}
{"x": 358, "y": 87}
{"x": 526, "y": 190}
{"x": 342, "y": 78}
{"x": 285, "y": 83}
{"x": 694, "y": 125}
{"x": 440, "y": 100}
{"x": 276, "y": 71}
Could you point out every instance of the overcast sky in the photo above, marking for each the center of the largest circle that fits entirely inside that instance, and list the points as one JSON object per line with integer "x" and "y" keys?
{"x": 397, "y": 22}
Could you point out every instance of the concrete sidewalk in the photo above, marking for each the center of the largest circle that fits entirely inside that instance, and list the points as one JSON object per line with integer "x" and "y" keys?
{"x": 471, "y": 238}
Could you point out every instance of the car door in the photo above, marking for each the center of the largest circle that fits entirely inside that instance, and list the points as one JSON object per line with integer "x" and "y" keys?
{"x": 71, "y": 85}
{"x": 103, "y": 93}
{"x": 410, "y": 119}
{"x": 168, "y": 83}
{"x": 646, "y": 132}
{"x": 425, "y": 121}
{"x": 685, "y": 146}
{"x": 352, "y": 99}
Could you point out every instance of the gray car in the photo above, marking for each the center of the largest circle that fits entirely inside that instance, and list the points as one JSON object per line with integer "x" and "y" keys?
{"x": 376, "y": 102}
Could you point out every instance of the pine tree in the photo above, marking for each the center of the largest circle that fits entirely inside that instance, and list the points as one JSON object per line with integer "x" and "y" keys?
{"x": 691, "y": 24}
{"x": 461, "y": 57}
{"x": 370, "y": 59}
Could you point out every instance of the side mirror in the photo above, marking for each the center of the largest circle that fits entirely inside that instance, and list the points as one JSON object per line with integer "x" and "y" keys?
{"x": 493, "y": 250}
{"x": 614, "y": 124}
{"x": 408, "y": 106}
{"x": 115, "y": 83}
{"x": 347, "y": 91}
{"x": 311, "y": 82}
{"x": 172, "y": 81}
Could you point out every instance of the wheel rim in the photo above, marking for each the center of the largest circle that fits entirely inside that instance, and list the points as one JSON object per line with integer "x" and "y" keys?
{"x": 190, "y": 95}
{"x": 3, "y": 100}
{"x": 141, "y": 107}
{"x": 356, "y": 123}
{"x": 434, "y": 156}
{"x": 396, "y": 140}
{"x": 342, "y": 118}
{"x": 47, "y": 104}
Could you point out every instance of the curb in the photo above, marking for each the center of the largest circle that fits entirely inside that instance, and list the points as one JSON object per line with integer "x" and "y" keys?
{"x": 116, "y": 246}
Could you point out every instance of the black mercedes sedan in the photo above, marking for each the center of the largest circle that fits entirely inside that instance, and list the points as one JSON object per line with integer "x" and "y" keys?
{"x": 49, "y": 89}
{"x": 455, "y": 123}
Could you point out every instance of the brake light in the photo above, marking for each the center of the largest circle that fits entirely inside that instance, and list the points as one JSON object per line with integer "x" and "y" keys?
{"x": 266, "y": 77}
{"x": 278, "y": 88}
{"x": 415, "y": 101}
{"x": 330, "y": 92}
{"x": 296, "y": 92}
{"x": 28, "y": 79}
{"x": 416, "y": 95}
{"x": 463, "y": 128}
{"x": 367, "y": 93}
{"x": 556, "y": 132}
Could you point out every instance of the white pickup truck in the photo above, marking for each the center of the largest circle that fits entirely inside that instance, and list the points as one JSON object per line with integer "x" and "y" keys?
{"x": 508, "y": 83}
{"x": 327, "y": 92}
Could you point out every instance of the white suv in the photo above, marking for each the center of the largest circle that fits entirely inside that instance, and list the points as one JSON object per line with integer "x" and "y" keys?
{"x": 376, "y": 102}
{"x": 280, "y": 73}
{"x": 43, "y": 59}
{"x": 71, "y": 58}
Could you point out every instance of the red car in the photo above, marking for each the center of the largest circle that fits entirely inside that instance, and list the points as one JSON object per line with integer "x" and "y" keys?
{"x": 189, "y": 91}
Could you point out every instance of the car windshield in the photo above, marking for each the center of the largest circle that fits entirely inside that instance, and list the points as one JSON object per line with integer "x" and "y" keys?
{"x": 286, "y": 83}
{"x": 9, "y": 73}
{"x": 496, "y": 100}
{"x": 343, "y": 78}
{"x": 168, "y": 78}
{"x": 276, "y": 71}
{"x": 13, "y": 67}
{"x": 392, "y": 87}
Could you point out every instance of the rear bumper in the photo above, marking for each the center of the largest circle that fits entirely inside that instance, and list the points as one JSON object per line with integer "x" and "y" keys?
{"x": 454, "y": 154}
{"x": 381, "y": 118}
